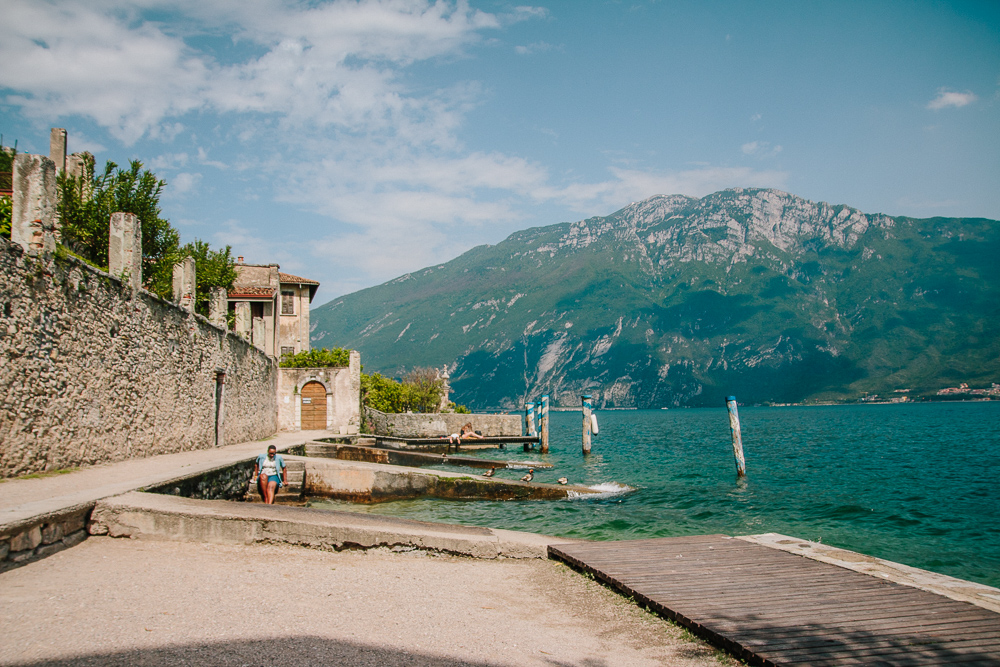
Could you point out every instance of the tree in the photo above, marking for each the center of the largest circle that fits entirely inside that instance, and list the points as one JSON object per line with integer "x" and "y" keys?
{"x": 6, "y": 205}
{"x": 382, "y": 393}
{"x": 86, "y": 203}
{"x": 213, "y": 268}
{"x": 423, "y": 390}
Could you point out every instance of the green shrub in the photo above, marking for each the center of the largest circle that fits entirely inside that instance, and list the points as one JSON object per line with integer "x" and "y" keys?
{"x": 318, "y": 358}
{"x": 382, "y": 393}
{"x": 420, "y": 391}
{"x": 6, "y": 214}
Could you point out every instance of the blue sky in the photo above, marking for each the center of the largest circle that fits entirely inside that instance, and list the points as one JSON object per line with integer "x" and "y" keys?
{"x": 352, "y": 142}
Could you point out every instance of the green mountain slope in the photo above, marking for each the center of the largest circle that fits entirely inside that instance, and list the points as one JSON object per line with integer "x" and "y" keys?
{"x": 680, "y": 301}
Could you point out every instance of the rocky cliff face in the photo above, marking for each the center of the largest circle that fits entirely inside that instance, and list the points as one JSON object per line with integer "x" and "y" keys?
{"x": 675, "y": 301}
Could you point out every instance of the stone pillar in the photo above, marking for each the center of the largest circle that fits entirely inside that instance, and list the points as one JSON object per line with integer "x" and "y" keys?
{"x": 445, "y": 389}
{"x": 259, "y": 333}
{"x": 354, "y": 417}
{"x": 218, "y": 306}
{"x": 34, "y": 225}
{"x": 185, "y": 284}
{"x": 76, "y": 167}
{"x": 125, "y": 249}
{"x": 57, "y": 148}
{"x": 243, "y": 319}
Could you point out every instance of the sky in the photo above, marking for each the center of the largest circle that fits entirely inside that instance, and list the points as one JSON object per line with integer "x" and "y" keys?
{"x": 352, "y": 142}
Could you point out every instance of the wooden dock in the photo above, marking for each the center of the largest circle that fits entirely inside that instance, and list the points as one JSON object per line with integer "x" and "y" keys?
{"x": 771, "y": 607}
{"x": 441, "y": 444}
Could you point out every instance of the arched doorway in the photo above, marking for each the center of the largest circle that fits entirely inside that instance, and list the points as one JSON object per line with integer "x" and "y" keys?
{"x": 313, "y": 407}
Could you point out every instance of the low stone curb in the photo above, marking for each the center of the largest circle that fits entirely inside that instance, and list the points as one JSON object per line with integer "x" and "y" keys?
{"x": 158, "y": 517}
{"x": 27, "y": 541}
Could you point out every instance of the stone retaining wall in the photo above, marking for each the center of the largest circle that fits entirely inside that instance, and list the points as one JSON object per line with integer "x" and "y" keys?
{"x": 21, "y": 544}
{"x": 94, "y": 372}
{"x": 436, "y": 424}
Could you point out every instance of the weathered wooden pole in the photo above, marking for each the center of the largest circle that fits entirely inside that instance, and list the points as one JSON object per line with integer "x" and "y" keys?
{"x": 734, "y": 425}
{"x": 586, "y": 422}
{"x": 543, "y": 423}
{"x": 529, "y": 419}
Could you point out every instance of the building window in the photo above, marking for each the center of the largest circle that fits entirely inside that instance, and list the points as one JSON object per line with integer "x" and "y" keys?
{"x": 288, "y": 303}
{"x": 287, "y": 351}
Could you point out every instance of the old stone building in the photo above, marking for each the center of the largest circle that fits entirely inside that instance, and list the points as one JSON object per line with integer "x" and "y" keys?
{"x": 277, "y": 302}
{"x": 272, "y": 310}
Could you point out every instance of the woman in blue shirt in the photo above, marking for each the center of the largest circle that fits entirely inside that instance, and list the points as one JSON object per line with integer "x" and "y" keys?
{"x": 271, "y": 474}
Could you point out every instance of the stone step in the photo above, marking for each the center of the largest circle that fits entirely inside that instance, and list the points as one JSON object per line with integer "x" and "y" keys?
{"x": 291, "y": 493}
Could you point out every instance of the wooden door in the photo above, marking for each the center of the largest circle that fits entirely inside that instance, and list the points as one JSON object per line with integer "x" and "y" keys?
{"x": 313, "y": 407}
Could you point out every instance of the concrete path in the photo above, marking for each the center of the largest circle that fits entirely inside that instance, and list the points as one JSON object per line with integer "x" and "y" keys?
{"x": 22, "y": 500}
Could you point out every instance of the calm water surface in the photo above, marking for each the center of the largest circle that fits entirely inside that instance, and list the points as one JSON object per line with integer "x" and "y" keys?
{"x": 916, "y": 484}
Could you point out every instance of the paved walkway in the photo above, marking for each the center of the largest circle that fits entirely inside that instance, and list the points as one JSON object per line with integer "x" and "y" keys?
{"x": 23, "y": 499}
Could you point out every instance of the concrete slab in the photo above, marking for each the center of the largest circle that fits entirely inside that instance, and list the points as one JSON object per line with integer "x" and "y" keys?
{"x": 950, "y": 587}
{"x": 149, "y": 516}
{"x": 360, "y": 481}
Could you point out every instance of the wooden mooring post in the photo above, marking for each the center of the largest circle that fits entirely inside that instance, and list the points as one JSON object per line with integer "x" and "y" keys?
{"x": 734, "y": 426}
{"x": 543, "y": 424}
{"x": 587, "y": 410}
{"x": 529, "y": 419}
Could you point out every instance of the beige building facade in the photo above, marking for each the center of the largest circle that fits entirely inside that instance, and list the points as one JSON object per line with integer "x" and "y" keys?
{"x": 272, "y": 308}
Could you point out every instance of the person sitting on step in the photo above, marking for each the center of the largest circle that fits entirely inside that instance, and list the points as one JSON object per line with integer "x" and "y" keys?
{"x": 266, "y": 471}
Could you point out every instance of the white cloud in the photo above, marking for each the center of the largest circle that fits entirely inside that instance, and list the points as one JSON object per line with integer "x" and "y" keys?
{"x": 317, "y": 94}
{"x": 536, "y": 47}
{"x": 760, "y": 149}
{"x": 183, "y": 182}
{"x": 328, "y": 64}
{"x": 950, "y": 98}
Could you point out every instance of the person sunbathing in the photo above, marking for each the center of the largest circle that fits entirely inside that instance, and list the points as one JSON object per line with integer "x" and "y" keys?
{"x": 466, "y": 432}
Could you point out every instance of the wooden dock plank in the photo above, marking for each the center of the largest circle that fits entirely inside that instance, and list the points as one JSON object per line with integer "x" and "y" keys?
{"x": 771, "y": 607}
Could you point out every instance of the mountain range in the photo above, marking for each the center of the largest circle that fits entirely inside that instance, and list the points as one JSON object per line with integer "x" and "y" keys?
{"x": 678, "y": 301}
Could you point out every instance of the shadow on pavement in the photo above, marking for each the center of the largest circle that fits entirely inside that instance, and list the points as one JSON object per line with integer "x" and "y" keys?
{"x": 290, "y": 652}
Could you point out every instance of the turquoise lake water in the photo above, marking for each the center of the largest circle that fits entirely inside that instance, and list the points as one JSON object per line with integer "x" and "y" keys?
{"x": 917, "y": 484}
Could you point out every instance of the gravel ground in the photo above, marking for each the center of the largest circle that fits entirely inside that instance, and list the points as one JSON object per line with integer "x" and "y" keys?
{"x": 122, "y": 602}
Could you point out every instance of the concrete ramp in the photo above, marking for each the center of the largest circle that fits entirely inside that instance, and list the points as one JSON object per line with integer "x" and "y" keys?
{"x": 160, "y": 517}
